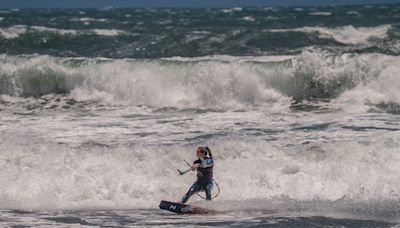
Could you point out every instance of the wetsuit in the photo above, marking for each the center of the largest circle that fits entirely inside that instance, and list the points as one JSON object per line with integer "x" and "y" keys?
{"x": 204, "y": 179}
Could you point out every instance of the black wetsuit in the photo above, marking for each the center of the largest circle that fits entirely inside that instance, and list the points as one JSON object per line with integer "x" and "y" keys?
{"x": 204, "y": 179}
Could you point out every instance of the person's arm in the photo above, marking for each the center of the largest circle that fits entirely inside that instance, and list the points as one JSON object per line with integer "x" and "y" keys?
{"x": 196, "y": 164}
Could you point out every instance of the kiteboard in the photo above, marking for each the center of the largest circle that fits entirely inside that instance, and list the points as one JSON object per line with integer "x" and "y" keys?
{"x": 180, "y": 208}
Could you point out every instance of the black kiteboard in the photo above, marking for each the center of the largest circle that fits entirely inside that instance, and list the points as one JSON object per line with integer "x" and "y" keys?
{"x": 180, "y": 208}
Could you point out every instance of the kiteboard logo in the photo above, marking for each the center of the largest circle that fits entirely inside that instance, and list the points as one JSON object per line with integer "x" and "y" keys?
{"x": 186, "y": 209}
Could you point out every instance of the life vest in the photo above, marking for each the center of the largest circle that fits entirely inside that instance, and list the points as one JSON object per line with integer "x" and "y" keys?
{"x": 204, "y": 175}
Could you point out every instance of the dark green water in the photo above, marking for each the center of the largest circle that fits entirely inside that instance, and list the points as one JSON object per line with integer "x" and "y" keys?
{"x": 155, "y": 33}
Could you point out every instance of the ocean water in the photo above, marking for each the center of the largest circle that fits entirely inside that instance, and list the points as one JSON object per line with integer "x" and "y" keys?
{"x": 300, "y": 106}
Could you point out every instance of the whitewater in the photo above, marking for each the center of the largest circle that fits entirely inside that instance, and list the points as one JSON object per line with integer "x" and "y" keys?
{"x": 97, "y": 115}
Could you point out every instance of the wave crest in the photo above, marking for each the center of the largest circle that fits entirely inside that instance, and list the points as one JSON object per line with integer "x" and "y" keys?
{"x": 210, "y": 83}
{"x": 345, "y": 34}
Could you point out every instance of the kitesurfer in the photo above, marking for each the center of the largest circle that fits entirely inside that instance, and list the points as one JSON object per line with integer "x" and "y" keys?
{"x": 204, "y": 166}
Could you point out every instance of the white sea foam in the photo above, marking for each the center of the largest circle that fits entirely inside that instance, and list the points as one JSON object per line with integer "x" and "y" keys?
{"x": 108, "y": 32}
{"x": 12, "y": 32}
{"x": 223, "y": 82}
{"x": 321, "y": 13}
{"x": 54, "y": 30}
{"x": 208, "y": 84}
{"x": 158, "y": 84}
{"x": 201, "y": 32}
{"x": 231, "y": 10}
{"x": 226, "y": 10}
{"x": 273, "y": 58}
{"x": 18, "y": 30}
{"x": 248, "y": 18}
{"x": 346, "y": 34}
{"x": 43, "y": 176}
{"x": 89, "y": 19}
{"x": 193, "y": 37}
{"x": 383, "y": 90}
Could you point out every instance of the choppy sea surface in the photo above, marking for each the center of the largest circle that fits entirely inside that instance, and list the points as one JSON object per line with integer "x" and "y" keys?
{"x": 300, "y": 106}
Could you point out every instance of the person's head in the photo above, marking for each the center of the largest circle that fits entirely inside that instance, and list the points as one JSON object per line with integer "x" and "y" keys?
{"x": 201, "y": 152}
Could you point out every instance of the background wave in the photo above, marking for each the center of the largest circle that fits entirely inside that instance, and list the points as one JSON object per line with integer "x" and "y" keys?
{"x": 225, "y": 82}
{"x": 346, "y": 34}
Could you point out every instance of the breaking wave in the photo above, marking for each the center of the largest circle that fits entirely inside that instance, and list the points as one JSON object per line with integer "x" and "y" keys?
{"x": 350, "y": 176}
{"x": 346, "y": 34}
{"x": 216, "y": 82}
{"x": 12, "y": 32}
{"x": 16, "y": 31}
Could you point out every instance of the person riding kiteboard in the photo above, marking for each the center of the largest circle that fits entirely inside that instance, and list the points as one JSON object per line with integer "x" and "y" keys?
{"x": 204, "y": 166}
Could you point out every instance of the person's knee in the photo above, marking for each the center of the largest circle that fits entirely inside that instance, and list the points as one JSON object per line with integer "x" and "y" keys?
{"x": 209, "y": 187}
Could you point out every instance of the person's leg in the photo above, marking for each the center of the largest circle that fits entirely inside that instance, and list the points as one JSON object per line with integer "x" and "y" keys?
{"x": 208, "y": 189}
{"x": 193, "y": 190}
